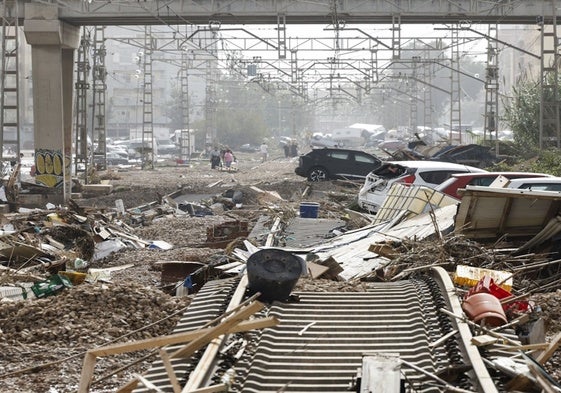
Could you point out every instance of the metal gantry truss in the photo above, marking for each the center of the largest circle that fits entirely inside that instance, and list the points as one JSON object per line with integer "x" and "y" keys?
{"x": 346, "y": 78}
{"x": 90, "y": 138}
{"x": 9, "y": 83}
{"x": 185, "y": 146}
{"x": 99, "y": 76}
{"x": 550, "y": 130}
{"x": 490, "y": 130}
{"x": 82, "y": 156}
{"x": 148, "y": 155}
{"x": 455, "y": 90}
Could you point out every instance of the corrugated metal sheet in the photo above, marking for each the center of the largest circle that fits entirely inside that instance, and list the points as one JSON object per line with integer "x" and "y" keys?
{"x": 350, "y": 250}
{"x": 305, "y": 232}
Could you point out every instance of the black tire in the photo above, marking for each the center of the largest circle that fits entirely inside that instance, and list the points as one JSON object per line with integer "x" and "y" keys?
{"x": 318, "y": 173}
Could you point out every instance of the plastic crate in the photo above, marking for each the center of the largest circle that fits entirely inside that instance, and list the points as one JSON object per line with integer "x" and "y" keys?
{"x": 52, "y": 285}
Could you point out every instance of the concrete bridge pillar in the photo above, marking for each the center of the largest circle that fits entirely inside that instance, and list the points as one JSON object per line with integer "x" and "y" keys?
{"x": 52, "y": 57}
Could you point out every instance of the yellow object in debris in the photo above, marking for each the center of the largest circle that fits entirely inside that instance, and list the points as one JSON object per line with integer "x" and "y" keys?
{"x": 74, "y": 277}
{"x": 54, "y": 218}
{"x": 469, "y": 276}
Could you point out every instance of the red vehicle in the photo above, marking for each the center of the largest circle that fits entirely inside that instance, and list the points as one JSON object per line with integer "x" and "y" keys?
{"x": 461, "y": 180}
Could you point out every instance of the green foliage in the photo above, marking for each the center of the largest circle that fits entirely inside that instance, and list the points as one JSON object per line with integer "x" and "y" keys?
{"x": 544, "y": 161}
{"x": 549, "y": 161}
{"x": 522, "y": 113}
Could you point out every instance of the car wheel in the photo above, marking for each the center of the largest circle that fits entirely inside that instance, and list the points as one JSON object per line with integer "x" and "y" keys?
{"x": 317, "y": 174}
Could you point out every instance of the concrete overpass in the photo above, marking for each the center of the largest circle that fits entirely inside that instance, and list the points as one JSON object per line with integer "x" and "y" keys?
{"x": 129, "y": 12}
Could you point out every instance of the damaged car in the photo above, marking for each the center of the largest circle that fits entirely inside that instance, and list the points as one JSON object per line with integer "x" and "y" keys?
{"x": 328, "y": 164}
{"x": 459, "y": 181}
{"x": 419, "y": 173}
{"x": 471, "y": 154}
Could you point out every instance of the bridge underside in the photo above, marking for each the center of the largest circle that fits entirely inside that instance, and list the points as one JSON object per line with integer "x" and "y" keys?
{"x": 106, "y": 12}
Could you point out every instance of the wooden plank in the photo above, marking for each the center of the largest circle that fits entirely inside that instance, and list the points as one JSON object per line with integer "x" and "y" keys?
{"x": 546, "y": 386}
{"x": 211, "y": 389}
{"x": 234, "y": 319}
{"x": 207, "y": 359}
{"x": 483, "y": 340}
{"x": 218, "y": 330}
{"x": 271, "y": 237}
{"x": 334, "y": 267}
{"x": 553, "y": 345}
{"x": 148, "y": 384}
{"x": 315, "y": 270}
{"x": 128, "y": 387}
{"x": 526, "y": 347}
{"x": 384, "y": 250}
{"x": 169, "y": 370}
{"x": 87, "y": 373}
{"x": 177, "y": 338}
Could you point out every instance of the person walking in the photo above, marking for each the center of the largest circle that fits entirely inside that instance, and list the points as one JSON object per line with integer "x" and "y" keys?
{"x": 228, "y": 159}
{"x": 293, "y": 149}
{"x": 214, "y": 158}
{"x": 286, "y": 149}
{"x": 264, "y": 149}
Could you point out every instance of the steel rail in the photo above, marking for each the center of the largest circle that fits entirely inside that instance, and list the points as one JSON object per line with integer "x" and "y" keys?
{"x": 322, "y": 337}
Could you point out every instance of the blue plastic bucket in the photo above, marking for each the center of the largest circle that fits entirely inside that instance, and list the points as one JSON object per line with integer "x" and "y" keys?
{"x": 309, "y": 209}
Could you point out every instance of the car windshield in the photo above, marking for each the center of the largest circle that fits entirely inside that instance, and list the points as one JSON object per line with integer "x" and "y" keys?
{"x": 390, "y": 170}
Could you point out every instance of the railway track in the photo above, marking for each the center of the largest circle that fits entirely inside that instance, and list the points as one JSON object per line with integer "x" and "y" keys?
{"x": 321, "y": 339}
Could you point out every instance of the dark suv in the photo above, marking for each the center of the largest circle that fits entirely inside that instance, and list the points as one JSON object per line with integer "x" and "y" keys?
{"x": 328, "y": 163}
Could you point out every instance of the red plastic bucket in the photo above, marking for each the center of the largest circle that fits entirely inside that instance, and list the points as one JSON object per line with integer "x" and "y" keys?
{"x": 485, "y": 308}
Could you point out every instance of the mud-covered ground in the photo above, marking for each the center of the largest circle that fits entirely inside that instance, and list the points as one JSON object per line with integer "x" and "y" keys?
{"x": 43, "y": 342}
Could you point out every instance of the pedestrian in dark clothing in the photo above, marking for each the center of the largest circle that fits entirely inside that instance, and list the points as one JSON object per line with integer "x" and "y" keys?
{"x": 286, "y": 150}
{"x": 293, "y": 149}
{"x": 214, "y": 158}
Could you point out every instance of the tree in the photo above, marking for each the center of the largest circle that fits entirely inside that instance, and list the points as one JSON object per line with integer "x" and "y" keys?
{"x": 174, "y": 109}
{"x": 522, "y": 113}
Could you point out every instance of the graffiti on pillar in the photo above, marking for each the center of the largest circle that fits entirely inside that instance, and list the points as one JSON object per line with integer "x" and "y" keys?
{"x": 49, "y": 167}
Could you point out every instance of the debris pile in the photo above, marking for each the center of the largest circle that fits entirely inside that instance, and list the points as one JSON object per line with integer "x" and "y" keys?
{"x": 43, "y": 335}
{"x": 127, "y": 291}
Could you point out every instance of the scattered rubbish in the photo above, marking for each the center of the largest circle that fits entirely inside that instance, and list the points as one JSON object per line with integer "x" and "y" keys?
{"x": 119, "y": 204}
{"x": 309, "y": 209}
{"x": 470, "y": 275}
{"x": 160, "y": 245}
{"x": 51, "y": 286}
{"x": 219, "y": 236}
{"x": 485, "y": 308}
